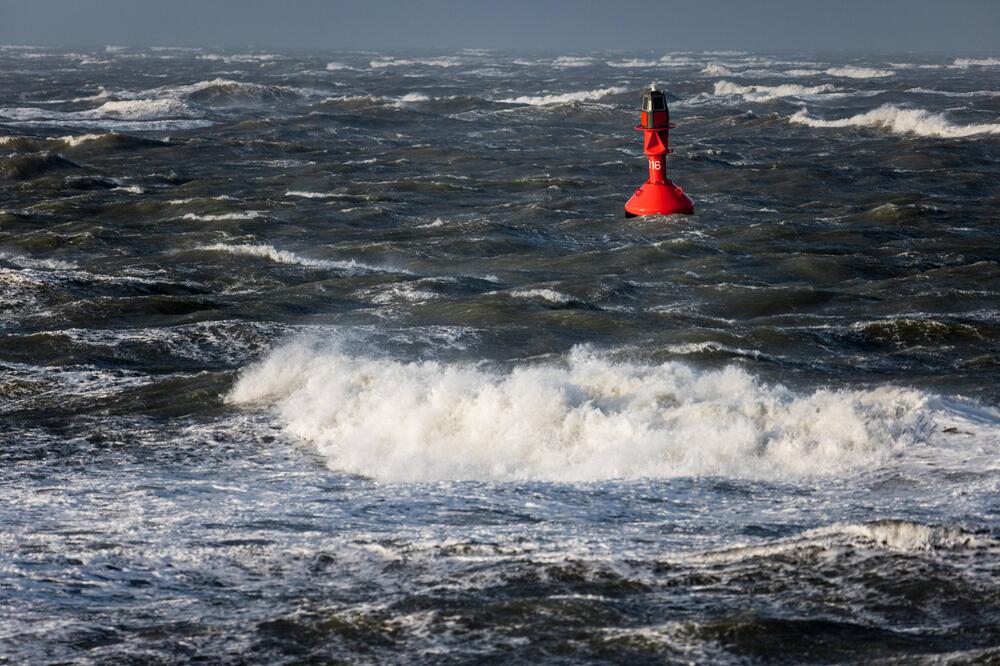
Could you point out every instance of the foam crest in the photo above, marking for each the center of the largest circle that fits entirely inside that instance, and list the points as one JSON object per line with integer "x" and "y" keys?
{"x": 901, "y": 121}
{"x": 218, "y": 217}
{"x": 899, "y": 536}
{"x": 586, "y": 419}
{"x": 758, "y": 93}
{"x": 859, "y": 72}
{"x": 31, "y": 262}
{"x": 550, "y": 295}
{"x": 976, "y": 62}
{"x": 714, "y": 69}
{"x": 270, "y": 253}
{"x": 572, "y": 61}
{"x": 444, "y": 61}
{"x": 73, "y": 141}
{"x": 142, "y": 109}
{"x": 565, "y": 98}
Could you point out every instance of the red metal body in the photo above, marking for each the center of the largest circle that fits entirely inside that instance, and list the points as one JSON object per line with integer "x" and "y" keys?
{"x": 658, "y": 195}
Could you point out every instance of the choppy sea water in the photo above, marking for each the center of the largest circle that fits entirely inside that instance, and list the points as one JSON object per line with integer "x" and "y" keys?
{"x": 313, "y": 357}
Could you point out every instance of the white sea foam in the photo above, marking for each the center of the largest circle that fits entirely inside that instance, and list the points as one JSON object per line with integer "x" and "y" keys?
{"x": 216, "y": 217}
{"x": 714, "y": 69}
{"x": 414, "y": 97}
{"x": 309, "y": 195}
{"x": 893, "y": 535}
{"x": 337, "y": 66}
{"x": 445, "y": 61}
{"x": 22, "y": 261}
{"x": 563, "y": 98}
{"x": 240, "y": 58}
{"x": 901, "y": 121}
{"x": 270, "y": 253}
{"x": 75, "y": 140}
{"x": 976, "y": 62}
{"x": 589, "y": 418}
{"x": 142, "y": 109}
{"x": 634, "y": 63}
{"x": 549, "y": 295}
{"x": 221, "y": 197}
{"x": 859, "y": 72}
{"x": 760, "y": 93}
{"x": 949, "y": 93}
{"x": 572, "y": 61}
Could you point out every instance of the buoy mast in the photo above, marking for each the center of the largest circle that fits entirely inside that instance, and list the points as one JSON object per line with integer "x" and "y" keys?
{"x": 658, "y": 195}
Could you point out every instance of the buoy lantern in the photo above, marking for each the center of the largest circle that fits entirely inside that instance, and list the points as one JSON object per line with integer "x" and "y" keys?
{"x": 658, "y": 195}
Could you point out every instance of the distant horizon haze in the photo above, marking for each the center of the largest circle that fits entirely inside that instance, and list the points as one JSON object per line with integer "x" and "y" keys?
{"x": 851, "y": 26}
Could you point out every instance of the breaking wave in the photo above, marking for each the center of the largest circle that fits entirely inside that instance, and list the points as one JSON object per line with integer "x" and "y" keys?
{"x": 587, "y": 419}
{"x": 901, "y": 121}
{"x": 270, "y": 253}
{"x": 444, "y": 61}
{"x": 899, "y": 536}
{"x": 218, "y": 217}
{"x": 758, "y": 93}
{"x": 976, "y": 62}
{"x": 859, "y": 72}
{"x": 143, "y": 109}
{"x": 714, "y": 69}
{"x": 564, "y": 98}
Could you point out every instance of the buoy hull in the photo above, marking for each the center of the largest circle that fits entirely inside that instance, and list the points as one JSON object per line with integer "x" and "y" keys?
{"x": 659, "y": 199}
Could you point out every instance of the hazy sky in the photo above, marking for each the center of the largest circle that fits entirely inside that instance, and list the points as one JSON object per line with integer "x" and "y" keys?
{"x": 880, "y": 26}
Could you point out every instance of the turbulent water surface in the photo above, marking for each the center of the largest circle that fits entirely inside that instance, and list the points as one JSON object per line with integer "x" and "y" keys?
{"x": 312, "y": 357}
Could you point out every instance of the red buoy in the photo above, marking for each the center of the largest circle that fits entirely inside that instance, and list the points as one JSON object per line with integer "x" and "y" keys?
{"x": 658, "y": 195}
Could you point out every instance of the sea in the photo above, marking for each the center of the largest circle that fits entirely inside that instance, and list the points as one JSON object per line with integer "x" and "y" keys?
{"x": 352, "y": 357}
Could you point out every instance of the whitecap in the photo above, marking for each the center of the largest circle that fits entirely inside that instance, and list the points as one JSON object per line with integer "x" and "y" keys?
{"x": 550, "y": 295}
{"x": 761, "y": 93}
{"x": 563, "y": 98}
{"x": 859, "y": 72}
{"x": 269, "y": 252}
{"x": 589, "y": 418}
{"x": 976, "y": 62}
{"x": 901, "y": 121}
{"x": 216, "y": 217}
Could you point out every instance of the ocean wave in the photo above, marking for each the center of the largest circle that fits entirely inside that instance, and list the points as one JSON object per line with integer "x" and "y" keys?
{"x": 142, "y": 109}
{"x": 115, "y": 114}
{"x": 550, "y": 295}
{"x": 564, "y": 98}
{"x": 634, "y": 63}
{"x": 640, "y": 63}
{"x": 444, "y": 61}
{"x": 218, "y": 90}
{"x": 107, "y": 140}
{"x": 240, "y": 58}
{"x": 572, "y": 61}
{"x": 33, "y": 165}
{"x": 218, "y": 217}
{"x": 859, "y": 72}
{"x": 949, "y": 93}
{"x": 271, "y": 253}
{"x": 899, "y": 536}
{"x": 714, "y": 69}
{"x": 976, "y": 62}
{"x": 588, "y": 419}
{"x": 760, "y": 93}
{"x": 901, "y": 121}
{"x": 22, "y": 261}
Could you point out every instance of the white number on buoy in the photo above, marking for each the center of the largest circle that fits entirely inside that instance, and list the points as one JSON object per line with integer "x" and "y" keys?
{"x": 655, "y": 165}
